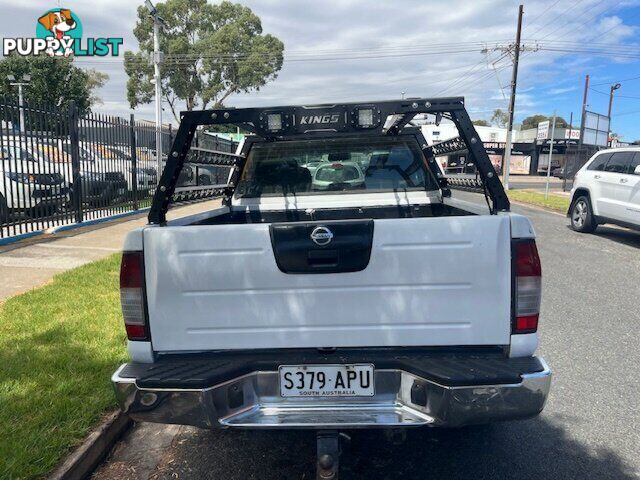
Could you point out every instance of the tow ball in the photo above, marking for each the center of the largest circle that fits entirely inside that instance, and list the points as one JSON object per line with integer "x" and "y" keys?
{"x": 328, "y": 454}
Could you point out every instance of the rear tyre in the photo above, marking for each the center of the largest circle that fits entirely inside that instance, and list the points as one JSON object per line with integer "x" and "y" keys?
{"x": 582, "y": 219}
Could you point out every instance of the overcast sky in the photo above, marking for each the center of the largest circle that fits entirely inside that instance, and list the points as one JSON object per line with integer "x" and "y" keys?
{"x": 403, "y": 42}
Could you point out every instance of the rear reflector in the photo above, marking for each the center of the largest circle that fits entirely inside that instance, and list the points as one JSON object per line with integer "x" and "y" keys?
{"x": 527, "y": 322}
{"x": 135, "y": 332}
{"x": 528, "y": 286}
{"x": 132, "y": 296}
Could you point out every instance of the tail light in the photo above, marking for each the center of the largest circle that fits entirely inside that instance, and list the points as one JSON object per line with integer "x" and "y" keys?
{"x": 132, "y": 296}
{"x": 528, "y": 286}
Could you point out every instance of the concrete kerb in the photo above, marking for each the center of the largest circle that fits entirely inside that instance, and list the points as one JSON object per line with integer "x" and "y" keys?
{"x": 84, "y": 459}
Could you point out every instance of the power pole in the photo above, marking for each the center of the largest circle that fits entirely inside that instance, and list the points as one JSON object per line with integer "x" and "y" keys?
{"x": 584, "y": 107}
{"x": 512, "y": 101}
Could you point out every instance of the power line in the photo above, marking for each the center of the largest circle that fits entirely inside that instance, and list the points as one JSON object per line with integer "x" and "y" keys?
{"x": 602, "y": 12}
{"x": 611, "y": 28}
{"x": 475, "y": 77}
{"x": 618, "y": 81}
{"x": 558, "y": 17}
{"x": 605, "y": 53}
{"x": 397, "y": 52}
{"x": 541, "y": 14}
{"x": 627, "y": 113}
{"x": 575, "y": 18}
{"x": 617, "y": 95}
{"x": 226, "y": 59}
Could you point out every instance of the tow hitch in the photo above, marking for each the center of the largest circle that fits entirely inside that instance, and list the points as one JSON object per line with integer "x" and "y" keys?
{"x": 328, "y": 454}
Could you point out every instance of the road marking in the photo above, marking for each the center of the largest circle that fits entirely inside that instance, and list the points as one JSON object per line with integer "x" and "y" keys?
{"x": 76, "y": 247}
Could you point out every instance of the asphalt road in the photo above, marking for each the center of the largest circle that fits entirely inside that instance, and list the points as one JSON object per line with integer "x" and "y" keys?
{"x": 590, "y": 428}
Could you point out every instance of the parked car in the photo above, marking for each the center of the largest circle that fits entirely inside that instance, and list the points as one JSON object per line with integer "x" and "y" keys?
{"x": 607, "y": 190}
{"x": 338, "y": 175}
{"x": 100, "y": 184}
{"x": 201, "y": 175}
{"x": 119, "y": 158}
{"x": 28, "y": 186}
{"x": 301, "y": 304}
{"x": 566, "y": 171}
{"x": 146, "y": 167}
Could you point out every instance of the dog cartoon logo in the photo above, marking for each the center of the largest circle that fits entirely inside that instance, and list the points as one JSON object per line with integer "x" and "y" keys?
{"x": 59, "y": 33}
{"x": 63, "y": 26}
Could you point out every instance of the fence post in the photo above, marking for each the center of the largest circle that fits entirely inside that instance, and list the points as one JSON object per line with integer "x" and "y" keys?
{"x": 74, "y": 137}
{"x": 134, "y": 162}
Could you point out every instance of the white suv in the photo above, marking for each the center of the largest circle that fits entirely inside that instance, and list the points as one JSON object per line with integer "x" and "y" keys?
{"x": 607, "y": 190}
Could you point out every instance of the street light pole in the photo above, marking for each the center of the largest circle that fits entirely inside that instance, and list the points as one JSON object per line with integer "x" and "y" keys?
{"x": 26, "y": 81}
{"x": 614, "y": 87}
{"x": 158, "y": 87}
{"x": 21, "y": 105}
{"x": 157, "y": 59}
{"x": 553, "y": 134}
{"x": 585, "y": 98}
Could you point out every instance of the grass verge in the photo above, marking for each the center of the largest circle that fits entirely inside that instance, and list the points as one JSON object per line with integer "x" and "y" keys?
{"x": 559, "y": 203}
{"x": 59, "y": 345}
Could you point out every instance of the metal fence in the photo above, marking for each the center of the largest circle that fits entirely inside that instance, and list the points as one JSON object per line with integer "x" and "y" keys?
{"x": 59, "y": 168}
{"x": 575, "y": 158}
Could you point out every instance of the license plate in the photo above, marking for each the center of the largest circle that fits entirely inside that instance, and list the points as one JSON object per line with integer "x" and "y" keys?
{"x": 327, "y": 380}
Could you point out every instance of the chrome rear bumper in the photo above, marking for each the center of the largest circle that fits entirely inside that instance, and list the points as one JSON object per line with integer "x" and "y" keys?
{"x": 401, "y": 399}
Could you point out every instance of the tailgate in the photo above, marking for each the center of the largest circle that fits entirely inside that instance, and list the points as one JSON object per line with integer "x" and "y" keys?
{"x": 428, "y": 282}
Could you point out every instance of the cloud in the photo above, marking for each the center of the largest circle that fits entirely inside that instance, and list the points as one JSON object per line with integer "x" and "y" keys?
{"x": 560, "y": 91}
{"x": 417, "y": 47}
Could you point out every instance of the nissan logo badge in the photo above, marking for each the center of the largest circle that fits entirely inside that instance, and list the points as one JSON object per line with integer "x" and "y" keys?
{"x": 321, "y": 236}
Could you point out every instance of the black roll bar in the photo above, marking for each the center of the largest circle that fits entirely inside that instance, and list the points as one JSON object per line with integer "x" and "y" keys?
{"x": 287, "y": 122}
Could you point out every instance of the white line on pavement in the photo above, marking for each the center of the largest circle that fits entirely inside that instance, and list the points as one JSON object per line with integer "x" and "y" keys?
{"x": 40, "y": 263}
{"x": 76, "y": 247}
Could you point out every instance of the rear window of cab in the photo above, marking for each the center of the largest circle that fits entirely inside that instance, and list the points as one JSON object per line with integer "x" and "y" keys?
{"x": 335, "y": 165}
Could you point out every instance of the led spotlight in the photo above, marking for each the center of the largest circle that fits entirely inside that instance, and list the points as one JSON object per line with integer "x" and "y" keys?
{"x": 274, "y": 122}
{"x": 365, "y": 117}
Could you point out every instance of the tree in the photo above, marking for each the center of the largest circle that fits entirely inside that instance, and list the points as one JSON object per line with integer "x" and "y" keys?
{"x": 225, "y": 128}
{"x": 55, "y": 82}
{"x": 500, "y": 118}
{"x": 481, "y": 123}
{"x": 211, "y": 52}
{"x": 95, "y": 81}
{"x": 533, "y": 121}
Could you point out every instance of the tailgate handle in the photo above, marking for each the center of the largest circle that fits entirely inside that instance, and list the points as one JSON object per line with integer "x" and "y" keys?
{"x": 322, "y": 258}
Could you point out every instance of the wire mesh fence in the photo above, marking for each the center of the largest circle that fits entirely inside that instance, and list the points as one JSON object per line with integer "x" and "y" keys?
{"x": 59, "y": 168}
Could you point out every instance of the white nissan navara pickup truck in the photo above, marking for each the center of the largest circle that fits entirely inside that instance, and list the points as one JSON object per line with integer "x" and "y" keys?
{"x": 373, "y": 300}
